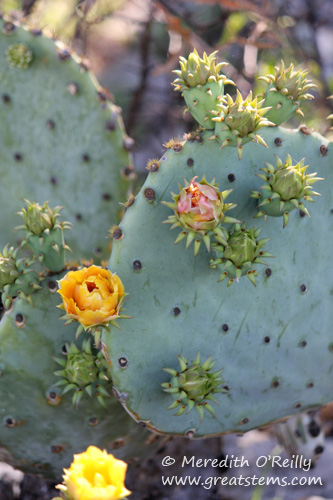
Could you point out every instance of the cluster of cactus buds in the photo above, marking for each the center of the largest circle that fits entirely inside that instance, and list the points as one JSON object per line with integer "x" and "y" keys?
{"x": 285, "y": 188}
{"x": 199, "y": 209}
{"x": 194, "y": 386}
{"x": 236, "y": 122}
{"x": 21, "y": 275}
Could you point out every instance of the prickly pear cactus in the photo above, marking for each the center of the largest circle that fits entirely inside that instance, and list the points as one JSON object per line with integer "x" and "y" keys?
{"x": 55, "y": 390}
{"x": 61, "y": 140}
{"x": 259, "y": 306}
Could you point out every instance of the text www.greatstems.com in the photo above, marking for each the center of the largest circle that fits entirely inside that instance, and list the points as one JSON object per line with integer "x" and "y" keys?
{"x": 208, "y": 482}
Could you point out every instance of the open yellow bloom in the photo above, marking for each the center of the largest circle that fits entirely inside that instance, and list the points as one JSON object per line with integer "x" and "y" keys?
{"x": 92, "y": 295}
{"x": 94, "y": 475}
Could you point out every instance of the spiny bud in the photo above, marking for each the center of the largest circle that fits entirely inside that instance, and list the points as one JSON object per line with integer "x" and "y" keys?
{"x": 241, "y": 252}
{"x": 19, "y": 56}
{"x": 284, "y": 93}
{"x": 198, "y": 71}
{"x": 84, "y": 371}
{"x": 194, "y": 385}
{"x": 239, "y": 120}
{"x": 202, "y": 86}
{"x": 199, "y": 208}
{"x": 8, "y": 267}
{"x": 285, "y": 188}
{"x": 37, "y": 218}
{"x": 290, "y": 82}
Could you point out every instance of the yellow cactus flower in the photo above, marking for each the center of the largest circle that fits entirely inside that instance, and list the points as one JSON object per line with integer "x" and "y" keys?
{"x": 92, "y": 296}
{"x": 94, "y": 475}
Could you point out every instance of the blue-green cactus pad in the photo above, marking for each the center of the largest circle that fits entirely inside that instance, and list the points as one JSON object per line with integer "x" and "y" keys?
{"x": 61, "y": 140}
{"x": 274, "y": 341}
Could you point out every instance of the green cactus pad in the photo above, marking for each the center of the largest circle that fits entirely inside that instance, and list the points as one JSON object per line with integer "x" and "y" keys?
{"x": 61, "y": 140}
{"x": 274, "y": 342}
{"x": 40, "y": 427}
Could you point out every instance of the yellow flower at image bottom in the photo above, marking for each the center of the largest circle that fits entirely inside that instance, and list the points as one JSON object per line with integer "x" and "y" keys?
{"x": 94, "y": 475}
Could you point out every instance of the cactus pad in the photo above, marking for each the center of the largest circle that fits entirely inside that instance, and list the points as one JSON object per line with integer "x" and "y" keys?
{"x": 274, "y": 341}
{"x": 61, "y": 140}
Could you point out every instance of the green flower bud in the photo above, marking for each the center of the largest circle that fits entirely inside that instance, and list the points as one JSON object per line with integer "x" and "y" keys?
{"x": 37, "y": 218}
{"x": 194, "y": 385}
{"x": 285, "y": 188}
{"x": 240, "y": 253}
{"x": 198, "y": 71}
{"x": 8, "y": 267}
{"x": 83, "y": 371}
{"x": 19, "y": 56}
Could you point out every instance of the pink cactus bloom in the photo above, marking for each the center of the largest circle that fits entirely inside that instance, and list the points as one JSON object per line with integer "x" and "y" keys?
{"x": 202, "y": 204}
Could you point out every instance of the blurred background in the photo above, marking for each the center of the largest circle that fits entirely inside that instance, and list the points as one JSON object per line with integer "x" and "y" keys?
{"x": 132, "y": 46}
